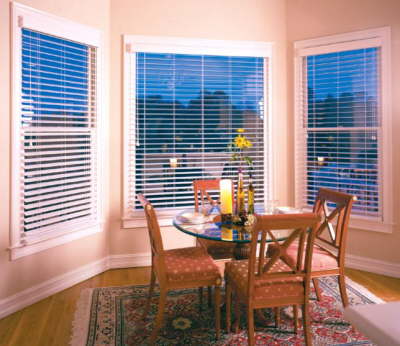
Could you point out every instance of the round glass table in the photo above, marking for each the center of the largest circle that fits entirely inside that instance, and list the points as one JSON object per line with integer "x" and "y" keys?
{"x": 210, "y": 227}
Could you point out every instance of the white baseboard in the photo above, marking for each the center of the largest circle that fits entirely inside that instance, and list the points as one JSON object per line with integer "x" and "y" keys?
{"x": 34, "y": 294}
{"x": 45, "y": 289}
{"x": 130, "y": 260}
{"x": 373, "y": 265}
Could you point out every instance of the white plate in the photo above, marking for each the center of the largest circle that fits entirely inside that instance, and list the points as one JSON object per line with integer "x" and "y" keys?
{"x": 193, "y": 218}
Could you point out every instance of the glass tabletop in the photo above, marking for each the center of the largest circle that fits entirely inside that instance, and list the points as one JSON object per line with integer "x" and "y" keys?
{"x": 211, "y": 227}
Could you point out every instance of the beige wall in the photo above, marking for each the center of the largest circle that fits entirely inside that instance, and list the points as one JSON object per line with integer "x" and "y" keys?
{"x": 28, "y": 271}
{"x": 256, "y": 20}
{"x": 314, "y": 18}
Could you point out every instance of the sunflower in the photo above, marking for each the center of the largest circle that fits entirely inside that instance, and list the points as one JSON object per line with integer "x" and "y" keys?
{"x": 240, "y": 142}
{"x": 248, "y": 144}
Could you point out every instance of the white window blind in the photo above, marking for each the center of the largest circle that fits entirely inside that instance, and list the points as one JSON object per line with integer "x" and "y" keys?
{"x": 341, "y": 139}
{"x": 184, "y": 109}
{"x": 58, "y": 179}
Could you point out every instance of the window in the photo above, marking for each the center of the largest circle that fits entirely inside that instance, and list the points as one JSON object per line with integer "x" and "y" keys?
{"x": 55, "y": 123}
{"x": 343, "y": 133}
{"x": 184, "y": 102}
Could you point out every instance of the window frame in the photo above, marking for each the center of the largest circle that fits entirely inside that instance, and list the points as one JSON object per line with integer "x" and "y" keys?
{"x": 178, "y": 45}
{"x": 26, "y": 17}
{"x": 379, "y": 37}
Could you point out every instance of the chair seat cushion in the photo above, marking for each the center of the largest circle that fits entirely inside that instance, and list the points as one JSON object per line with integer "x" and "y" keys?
{"x": 321, "y": 260}
{"x": 236, "y": 272}
{"x": 191, "y": 264}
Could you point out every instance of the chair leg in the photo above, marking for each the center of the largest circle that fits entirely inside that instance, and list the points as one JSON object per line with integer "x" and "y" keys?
{"x": 159, "y": 318}
{"x": 151, "y": 290}
{"x": 296, "y": 318}
{"x": 237, "y": 315}
{"x": 261, "y": 316}
{"x": 217, "y": 303}
{"x": 343, "y": 292}
{"x": 277, "y": 312}
{"x": 200, "y": 298}
{"x": 250, "y": 326}
{"x": 306, "y": 325}
{"x": 228, "y": 302}
{"x": 209, "y": 296}
{"x": 317, "y": 289}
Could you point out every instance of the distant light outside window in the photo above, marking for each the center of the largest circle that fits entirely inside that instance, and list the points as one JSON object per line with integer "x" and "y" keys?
{"x": 342, "y": 121}
{"x": 188, "y": 108}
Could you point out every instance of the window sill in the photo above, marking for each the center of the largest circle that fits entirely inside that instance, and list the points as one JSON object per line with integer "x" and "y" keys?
{"x": 366, "y": 224}
{"x": 370, "y": 225}
{"x": 137, "y": 219}
{"x": 32, "y": 247}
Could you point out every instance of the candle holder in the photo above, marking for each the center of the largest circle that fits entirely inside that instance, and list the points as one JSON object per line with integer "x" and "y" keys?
{"x": 239, "y": 220}
{"x": 226, "y": 218}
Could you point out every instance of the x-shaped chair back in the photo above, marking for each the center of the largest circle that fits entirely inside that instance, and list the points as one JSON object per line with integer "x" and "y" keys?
{"x": 334, "y": 209}
{"x": 201, "y": 189}
{"x": 302, "y": 228}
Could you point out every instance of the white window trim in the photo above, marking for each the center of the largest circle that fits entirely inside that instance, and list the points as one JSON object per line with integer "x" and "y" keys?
{"x": 354, "y": 40}
{"x": 57, "y": 26}
{"x": 178, "y": 45}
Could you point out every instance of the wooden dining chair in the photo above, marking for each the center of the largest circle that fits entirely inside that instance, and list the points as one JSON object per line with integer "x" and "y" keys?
{"x": 177, "y": 269}
{"x": 262, "y": 282}
{"x": 334, "y": 208}
{"x": 204, "y": 200}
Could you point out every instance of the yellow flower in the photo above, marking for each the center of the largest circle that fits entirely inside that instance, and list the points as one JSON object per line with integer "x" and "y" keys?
{"x": 240, "y": 142}
{"x": 248, "y": 144}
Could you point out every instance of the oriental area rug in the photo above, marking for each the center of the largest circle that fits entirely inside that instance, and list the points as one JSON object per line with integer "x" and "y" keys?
{"x": 112, "y": 316}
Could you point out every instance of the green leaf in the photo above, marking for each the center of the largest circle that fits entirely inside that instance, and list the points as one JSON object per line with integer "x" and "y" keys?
{"x": 248, "y": 160}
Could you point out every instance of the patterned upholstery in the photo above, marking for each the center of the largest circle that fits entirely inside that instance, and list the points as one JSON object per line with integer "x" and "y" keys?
{"x": 189, "y": 264}
{"x": 272, "y": 288}
{"x": 321, "y": 260}
{"x": 262, "y": 282}
{"x": 178, "y": 268}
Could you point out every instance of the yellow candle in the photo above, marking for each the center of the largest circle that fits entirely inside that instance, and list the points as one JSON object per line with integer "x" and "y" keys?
{"x": 225, "y": 187}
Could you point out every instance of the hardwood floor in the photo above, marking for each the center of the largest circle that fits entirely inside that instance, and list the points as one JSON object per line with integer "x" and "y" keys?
{"x": 48, "y": 322}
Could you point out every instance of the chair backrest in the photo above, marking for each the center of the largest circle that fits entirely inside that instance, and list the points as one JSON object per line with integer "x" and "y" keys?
{"x": 334, "y": 208}
{"x": 201, "y": 190}
{"x": 157, "y": 248}
{"x": 302, "y": 229}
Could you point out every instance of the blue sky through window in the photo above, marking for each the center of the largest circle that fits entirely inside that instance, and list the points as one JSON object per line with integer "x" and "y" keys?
{"x": 54, "y": 79}
{"x": 182, "y": 77}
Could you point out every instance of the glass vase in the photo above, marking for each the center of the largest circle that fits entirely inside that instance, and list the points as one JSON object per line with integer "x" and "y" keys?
{"x": 240, "y": 198}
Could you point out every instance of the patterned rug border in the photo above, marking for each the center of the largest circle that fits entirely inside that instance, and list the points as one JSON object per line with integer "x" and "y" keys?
{"x": 81, "y": 320}
{"x": 80, "y": 323}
